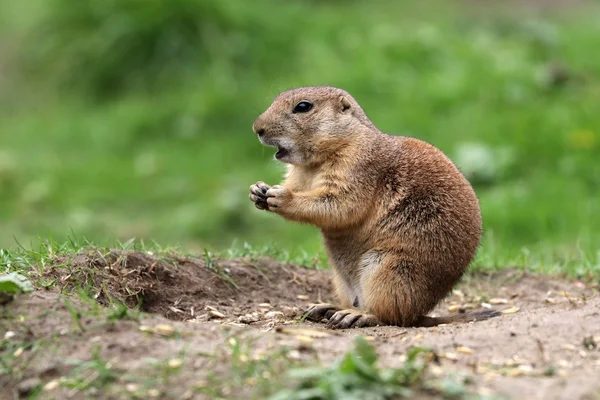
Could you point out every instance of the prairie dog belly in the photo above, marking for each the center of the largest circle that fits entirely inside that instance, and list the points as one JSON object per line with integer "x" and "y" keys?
{"x": 352, "y": 261}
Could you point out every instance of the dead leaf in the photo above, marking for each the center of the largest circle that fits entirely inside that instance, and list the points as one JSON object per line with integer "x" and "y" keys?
{"x": 515, "y": 372}
{"x": 164, "y": 330}
{"x": 175, "y": 363}
{"x": 526, "y": 368}
{"x": 216, "y": 314}
{"x": 464, "y": 350}
{"x": 313, "y": 333}
{"x": 496, "y": 301}
{"x": 511, "y": 310}
{"x": 304, "y": 339}
{"x": 568, "y": 346}
{"x": 436, "y": 370}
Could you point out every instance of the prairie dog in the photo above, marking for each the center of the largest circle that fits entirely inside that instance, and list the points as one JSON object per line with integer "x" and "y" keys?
{"x": 400, "y": 223}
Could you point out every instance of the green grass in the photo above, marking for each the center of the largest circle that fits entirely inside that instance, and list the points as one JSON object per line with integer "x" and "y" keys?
{"x": 167, "y": 154}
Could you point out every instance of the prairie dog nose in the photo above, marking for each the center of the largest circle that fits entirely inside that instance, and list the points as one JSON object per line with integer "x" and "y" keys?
{"x": 258, "y": 128}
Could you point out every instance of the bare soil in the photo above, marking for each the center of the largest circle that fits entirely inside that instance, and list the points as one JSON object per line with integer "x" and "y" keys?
{"x": 545, "y": 346}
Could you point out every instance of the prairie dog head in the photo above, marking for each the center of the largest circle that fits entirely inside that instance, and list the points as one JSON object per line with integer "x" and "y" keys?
{"x": 309, "y": 124}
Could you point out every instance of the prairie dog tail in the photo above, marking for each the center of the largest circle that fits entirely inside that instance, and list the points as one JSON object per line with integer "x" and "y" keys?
{"x": 472, "y": 316}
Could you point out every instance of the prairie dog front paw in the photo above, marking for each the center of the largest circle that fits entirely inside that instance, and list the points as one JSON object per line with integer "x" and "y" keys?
{"x": 258, "y": 195}
{"x": 278, "y": 197}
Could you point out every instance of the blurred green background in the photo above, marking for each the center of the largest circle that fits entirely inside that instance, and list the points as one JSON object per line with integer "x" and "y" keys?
{"x": 132, "y": 118}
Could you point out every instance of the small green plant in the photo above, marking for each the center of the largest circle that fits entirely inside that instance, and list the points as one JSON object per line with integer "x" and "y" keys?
{"x": 212, "y": 265}
{"x": 14, "y": 283}
{"x": 11, "y": 284}
{"x": 16, "y": 354}
{"x": 356, "y": 376}
{"x": 93, "y": 374}
{"x": 119, "y": 311}
{"x": 75, "y": 314}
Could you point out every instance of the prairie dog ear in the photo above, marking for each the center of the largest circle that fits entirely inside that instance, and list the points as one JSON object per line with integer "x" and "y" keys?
{"x": 344, "y": 104}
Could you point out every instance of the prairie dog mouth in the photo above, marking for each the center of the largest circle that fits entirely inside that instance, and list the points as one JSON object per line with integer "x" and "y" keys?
{"x": 284, "y": 146}
{"x": 281, "y": 152}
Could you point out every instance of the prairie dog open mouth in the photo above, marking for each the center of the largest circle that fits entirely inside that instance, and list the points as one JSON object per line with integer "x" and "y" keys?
{"x": 281, "y": 152}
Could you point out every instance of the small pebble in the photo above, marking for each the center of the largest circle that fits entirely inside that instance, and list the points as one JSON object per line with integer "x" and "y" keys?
{"x": 274, "y": 315}
{"x": 131, "y": 387}
{"x": 53, "y": 384}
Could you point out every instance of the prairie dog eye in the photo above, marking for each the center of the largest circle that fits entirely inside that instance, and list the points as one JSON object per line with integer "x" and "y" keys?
{"x": 303, "y": 106}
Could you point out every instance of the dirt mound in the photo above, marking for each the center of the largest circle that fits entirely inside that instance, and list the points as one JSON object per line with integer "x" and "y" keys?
{"x": 183, "y": 288}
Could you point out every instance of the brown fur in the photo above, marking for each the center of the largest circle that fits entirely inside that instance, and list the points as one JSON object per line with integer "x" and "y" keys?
{"x": 400, "y": 223}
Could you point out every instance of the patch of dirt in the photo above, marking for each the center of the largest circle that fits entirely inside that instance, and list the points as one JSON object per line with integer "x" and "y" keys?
{"x": 547, "y": 345}
{"x": 185, "y": 288}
